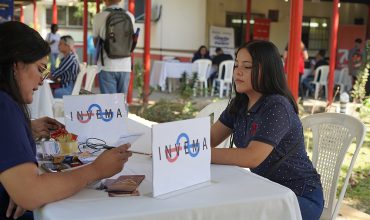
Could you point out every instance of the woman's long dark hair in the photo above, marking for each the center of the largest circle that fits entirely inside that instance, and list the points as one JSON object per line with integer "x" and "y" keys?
{"x": 18, "y": 43}
{"x": 265, "y": 60}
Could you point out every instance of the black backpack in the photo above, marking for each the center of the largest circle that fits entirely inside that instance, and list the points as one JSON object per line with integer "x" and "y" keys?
{"x": 119, "y": 34}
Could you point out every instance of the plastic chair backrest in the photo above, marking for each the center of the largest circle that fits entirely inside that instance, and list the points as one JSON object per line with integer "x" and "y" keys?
{"x": 214, "y": 110}
{"x": 332, "y": 134}
{"x": 339, "y": 79}
{"x": 80, "y": 76}
{"x": 229, "y": 69}
{"x": 91, "y": 72}
{"x": 323, "y": 73}
{"x": 203, "y": 66}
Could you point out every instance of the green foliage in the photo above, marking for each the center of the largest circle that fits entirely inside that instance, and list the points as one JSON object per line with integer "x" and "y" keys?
{"x": 139, "y": 79}
{"x": 358, "y": 92}
{"x": 186, "y": 86}
{"x": 166, "y": 111}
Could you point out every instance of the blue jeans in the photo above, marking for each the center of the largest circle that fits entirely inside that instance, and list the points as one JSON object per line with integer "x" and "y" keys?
{"x": 53, "y": 60}
{"x": 311, "y": 204}
{"x": 114, "y": 82}
{"x": 60, "y": 92}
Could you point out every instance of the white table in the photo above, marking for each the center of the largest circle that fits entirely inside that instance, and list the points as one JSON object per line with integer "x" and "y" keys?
{"x": 162, "y": 70}
{"x": 42, "y": 104}
{"x": 233, "y": 193}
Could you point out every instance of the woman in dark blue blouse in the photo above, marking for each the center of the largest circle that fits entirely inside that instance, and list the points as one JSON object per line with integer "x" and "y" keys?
{"x": 263, "y": 119}
{"x": 23, "y": 59}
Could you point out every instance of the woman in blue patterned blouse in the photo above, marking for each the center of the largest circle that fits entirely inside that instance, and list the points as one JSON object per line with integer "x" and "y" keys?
{"x": 264, "y": 123}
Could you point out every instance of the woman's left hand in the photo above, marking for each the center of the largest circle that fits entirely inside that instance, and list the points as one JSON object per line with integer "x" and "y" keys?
{"x": 41, "y": 127}
{"x": 19, "y": 211}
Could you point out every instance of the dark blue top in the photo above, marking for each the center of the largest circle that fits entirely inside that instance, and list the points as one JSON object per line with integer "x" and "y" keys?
{"x": 17, "y": 145}
{"x": 272, "y": 120}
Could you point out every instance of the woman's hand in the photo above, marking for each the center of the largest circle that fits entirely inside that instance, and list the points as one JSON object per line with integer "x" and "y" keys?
{"x": 41, "y": 127}
{"x": 19, "y": 211}
{"x": 111, "y": 161}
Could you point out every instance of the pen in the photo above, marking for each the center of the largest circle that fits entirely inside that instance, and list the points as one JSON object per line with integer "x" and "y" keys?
{"x": 142, "y": 153}
{"x": 134, "y": 152}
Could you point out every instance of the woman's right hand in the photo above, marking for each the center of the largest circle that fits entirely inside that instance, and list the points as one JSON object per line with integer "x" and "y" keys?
{"x": 111, "y": 161}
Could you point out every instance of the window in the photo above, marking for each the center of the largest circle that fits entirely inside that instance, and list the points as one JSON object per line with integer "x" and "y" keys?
{"x": 68, "y": 16}
{"x": 315, "y": 33}
{"x": 238, "y": 21}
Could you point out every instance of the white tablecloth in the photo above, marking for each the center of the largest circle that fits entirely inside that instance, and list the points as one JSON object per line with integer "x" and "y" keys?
{"x": 162, "y": 70}
{"x": 42, "y": 104}
{"x": 233, "y": 193}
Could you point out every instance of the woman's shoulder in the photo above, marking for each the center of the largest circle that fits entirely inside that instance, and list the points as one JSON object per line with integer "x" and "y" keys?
{"x": 276, "y": 98}
{"x": 7, "y": 103}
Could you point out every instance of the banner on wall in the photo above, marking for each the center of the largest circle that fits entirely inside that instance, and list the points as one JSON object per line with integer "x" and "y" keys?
{"x": 102, "y": 116}
{"x": 181, "y": 154}
{"x": 261, "y": 29}
{"x": 347, "y": 35}
{"x": 221, "y": 37}
{"x": 6, "y": 10}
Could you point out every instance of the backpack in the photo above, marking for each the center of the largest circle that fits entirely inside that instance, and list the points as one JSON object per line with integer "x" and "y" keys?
{"x": 356, "y": 59}
{"x": 119, "y": 34}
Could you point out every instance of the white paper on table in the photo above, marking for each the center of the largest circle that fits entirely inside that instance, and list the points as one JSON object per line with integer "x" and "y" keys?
{"x": 129, "y": 138}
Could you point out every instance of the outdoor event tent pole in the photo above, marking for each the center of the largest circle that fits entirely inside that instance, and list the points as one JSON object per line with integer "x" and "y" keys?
{"x": 21, "y": 16}
{"x": 248, "y": 23}
{"x": 55, "y": 12}
{"x": 148, "y": 15}
{"x": 294, "y": 47}
{"x": 333, "y": 49}
{"x": 85, "y": 32}
{"x": 131, "y": 8}
{"x": 97, "y": 6}
{"x": 35, "y": 15}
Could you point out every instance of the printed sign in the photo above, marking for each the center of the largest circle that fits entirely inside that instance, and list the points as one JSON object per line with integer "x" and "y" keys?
{"x": 181, "y": 153}
{"x": 6, "y": 10}
{"x": 100, "y": 116}
{"x": 221, "y": 37}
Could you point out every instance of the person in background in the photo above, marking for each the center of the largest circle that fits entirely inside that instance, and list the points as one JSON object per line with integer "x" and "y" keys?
{"x": 319, "y": 61}
{"x": 202, "y": 53}
{"x": 53, "y": 39}
{"x": 217, "y": 59}
{"x": 23, "y": 60}
{"x": 68, "y": 69}
{"x": 303, "y": 55}
{"x": 114, "y": 76}
{"x": 356, "y": 57}
{"x": 265, "y": 126}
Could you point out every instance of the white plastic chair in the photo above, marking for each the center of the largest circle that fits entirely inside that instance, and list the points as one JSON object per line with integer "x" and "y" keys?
{"x": 58, "y": 106}
{"x": 323, "y": 72}
{"x": 214, "y": 110}
{"x": 78, "y": 82}
{"x": 226, "y": 82}
{"x": 343, "y": 80}
{"x": 202, "y": 67}
{"x": 91, "y": 72}
{"x": 332, "y": 134}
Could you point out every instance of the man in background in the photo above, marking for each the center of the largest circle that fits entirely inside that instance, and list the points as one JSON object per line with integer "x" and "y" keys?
{"x": 216, "y": 61}
{"x": 319, "y": 61}
{"x": 53, "y": 39}
{"x": 356, "y": 57}
{"x": 114, "y": 76}
{"x": 68, "y": 68}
